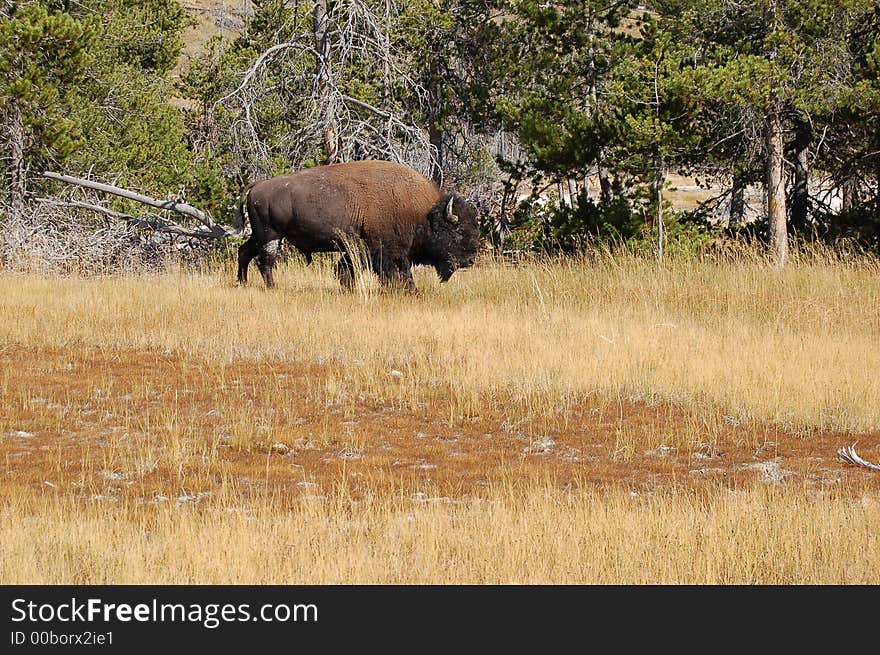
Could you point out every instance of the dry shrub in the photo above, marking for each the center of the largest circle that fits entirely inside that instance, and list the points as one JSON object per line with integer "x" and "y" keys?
{"x": 58, "y": 240}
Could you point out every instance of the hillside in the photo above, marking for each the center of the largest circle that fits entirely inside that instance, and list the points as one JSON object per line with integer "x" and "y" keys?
{"x": 212, "y": 17}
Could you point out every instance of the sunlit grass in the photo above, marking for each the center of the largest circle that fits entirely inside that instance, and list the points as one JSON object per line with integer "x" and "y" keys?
{"x": 514, "y": 536}
{"x": 796, "y": 346}
{"x": 173, "y": 428}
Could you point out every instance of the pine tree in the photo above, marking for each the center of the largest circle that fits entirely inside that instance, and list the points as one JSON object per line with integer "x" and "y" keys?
{"x": 657, "y": 113}
{"x": 552, "y": 65}
{"x": 43, "y": 57}
{"x": 778, "y": 62}
{"x": 134, "y": 134}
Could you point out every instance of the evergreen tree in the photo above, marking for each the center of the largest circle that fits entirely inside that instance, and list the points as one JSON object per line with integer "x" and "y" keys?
{"x": 657, "y": 116}
{"x": 43, "y": 57}
{"x": 85, "y": 86}
{"x": 551, "y": 69}
{"x": 134, "y": 134}
{"x": 778, "y": 61}
{"x": 849, "y": 130}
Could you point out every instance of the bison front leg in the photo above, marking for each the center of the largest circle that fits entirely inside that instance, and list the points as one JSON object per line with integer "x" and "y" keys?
{"x": 268, "y": 253}
{"x": 395, "y": 273}
{"x": 246, "y": 253}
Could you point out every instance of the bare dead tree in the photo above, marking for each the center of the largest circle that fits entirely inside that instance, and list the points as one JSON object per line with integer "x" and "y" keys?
{"x": 153, "y": 223}
{"x": 58, "y": 237}
{"x": 15, "y": 138}
{"x": 344, "y": 36}
{"x": 323, "y": 77}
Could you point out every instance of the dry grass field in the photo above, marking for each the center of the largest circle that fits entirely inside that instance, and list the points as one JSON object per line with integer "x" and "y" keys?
{"x": 598, "y": 420}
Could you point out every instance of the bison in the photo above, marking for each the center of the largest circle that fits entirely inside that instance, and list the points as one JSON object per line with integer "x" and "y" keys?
{"x": 402, "y": 218}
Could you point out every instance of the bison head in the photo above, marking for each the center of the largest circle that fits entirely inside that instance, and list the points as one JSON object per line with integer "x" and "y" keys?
{"x": 455, "y": 235}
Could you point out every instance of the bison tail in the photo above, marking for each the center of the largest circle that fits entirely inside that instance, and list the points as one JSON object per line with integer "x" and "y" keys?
{"x": 240, "y": 218}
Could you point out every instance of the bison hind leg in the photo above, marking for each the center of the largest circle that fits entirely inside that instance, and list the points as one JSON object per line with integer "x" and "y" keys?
{"x": 267, "y": 256}
{"x": 246, "y": 253}
{"x": 345, "y": 271}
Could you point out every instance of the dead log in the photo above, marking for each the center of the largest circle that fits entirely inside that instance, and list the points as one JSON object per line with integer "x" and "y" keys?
{"x": 210, "y": 229}
{"x": 155, "y": 224}
{"x": 848, "y": 454}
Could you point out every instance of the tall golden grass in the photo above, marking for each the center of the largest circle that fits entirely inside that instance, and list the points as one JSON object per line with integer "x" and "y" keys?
{"x": 796, "y": 348}
{"x": 539, "y": 536}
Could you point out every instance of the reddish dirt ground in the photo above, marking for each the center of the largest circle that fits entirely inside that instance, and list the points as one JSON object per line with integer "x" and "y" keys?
{"x": 150, "y": 425}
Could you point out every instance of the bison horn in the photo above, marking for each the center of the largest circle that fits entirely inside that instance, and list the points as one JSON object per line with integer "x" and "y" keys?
{"x": 452, "y": 218}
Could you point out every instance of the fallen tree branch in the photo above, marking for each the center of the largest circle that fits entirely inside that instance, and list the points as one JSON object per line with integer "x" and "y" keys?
{"x": 214, "y": 230}
{"x": 156, "y": 224}
{"x": 848, "y": 454}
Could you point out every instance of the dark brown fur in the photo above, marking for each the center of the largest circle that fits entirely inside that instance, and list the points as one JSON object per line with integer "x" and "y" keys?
{"x": 400, "y": 215}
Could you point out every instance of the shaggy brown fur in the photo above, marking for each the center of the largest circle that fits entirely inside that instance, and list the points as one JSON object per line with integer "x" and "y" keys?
{"x": 402, "y": 218}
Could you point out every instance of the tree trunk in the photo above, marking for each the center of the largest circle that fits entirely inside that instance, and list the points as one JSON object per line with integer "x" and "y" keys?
{"x": 877, "y": 166}
{"x": 329, "y": 127}
{"x": 17, "y": 171}
{"x": 605, "y": 190}
{"x": 170, "y": 205}
{"x": 573, "y": 195}
{"x": 737, "y": 200}
{"x": 849, "y": 193}
{"x": 386, "y": 59}
{"x": 773, "y": 144}
{"x": 800, "y": 198}
{"x": 659, "y": 177}
{"x": 435, "y": 136}
{"x": 776, "y": 214}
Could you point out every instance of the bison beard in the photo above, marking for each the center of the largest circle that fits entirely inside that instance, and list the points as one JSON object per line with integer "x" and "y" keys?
{"x": 401, "y": 217}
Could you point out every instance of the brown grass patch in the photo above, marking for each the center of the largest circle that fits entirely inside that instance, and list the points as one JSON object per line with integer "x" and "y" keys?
{"x": 135, "y": 425}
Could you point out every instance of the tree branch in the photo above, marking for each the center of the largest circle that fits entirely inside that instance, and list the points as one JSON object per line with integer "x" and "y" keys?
{"x": 156, "y": 224}
{"x": 214, "y": 230}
